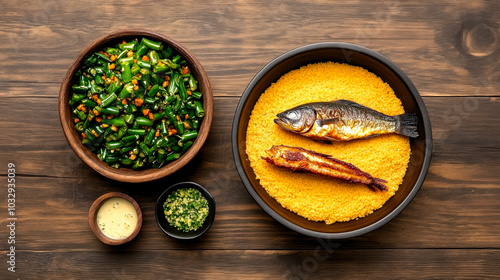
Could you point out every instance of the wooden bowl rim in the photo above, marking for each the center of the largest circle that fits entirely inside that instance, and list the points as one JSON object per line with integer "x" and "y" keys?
{"x": 124, "y": 174}
{"x": 346, "y": 48}
{"x": 93, "y": 218}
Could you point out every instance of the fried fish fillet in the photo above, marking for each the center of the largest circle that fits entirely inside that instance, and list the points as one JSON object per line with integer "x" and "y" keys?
{"x": 299, "y": 159}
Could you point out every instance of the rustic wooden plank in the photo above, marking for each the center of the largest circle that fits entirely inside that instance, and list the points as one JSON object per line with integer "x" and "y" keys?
{"x": 459, "y": 194}
{"x": 330, "y": 263}
{"x": 448, "y": 48}
{"x": 417, "y": 36}
{"x": 463, "y": 129}
{"x": 443, "y": 215}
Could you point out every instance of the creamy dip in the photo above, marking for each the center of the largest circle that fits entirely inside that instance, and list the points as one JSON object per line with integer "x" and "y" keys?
{"x": 117, "y": 218}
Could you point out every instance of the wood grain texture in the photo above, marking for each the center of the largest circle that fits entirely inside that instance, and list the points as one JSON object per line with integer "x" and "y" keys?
{"x": 449, "y": 49}
{"x": 319, "y": 263}
{"x": 423, "y": 38}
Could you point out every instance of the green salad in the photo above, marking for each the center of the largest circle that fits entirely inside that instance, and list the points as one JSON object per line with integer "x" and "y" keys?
{"x": 136, "y": 104}
{"x": 186, "y": 209}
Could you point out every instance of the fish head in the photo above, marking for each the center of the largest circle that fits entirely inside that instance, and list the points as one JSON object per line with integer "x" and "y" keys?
{"x": 299, "y": 120}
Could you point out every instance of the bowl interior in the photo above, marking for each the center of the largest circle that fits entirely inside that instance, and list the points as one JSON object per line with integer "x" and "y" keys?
{"x": 353, "y": 55}
{"x": 125, "y": 174}
{"x": 173, "y": 231}
{"x": 94, "y": 209}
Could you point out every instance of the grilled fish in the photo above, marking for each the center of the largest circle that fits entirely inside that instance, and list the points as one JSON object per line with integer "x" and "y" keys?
{"x": 344, "y": 120}
{"x": 299, "y": 159}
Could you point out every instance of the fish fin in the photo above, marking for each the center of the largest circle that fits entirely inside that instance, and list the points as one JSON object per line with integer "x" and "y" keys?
{"x": 330, "y": 139}
{"x": 350, "y": 103}
{"x": 408, "y": 124}
{"x": 323, "y": 141}
{"x": 322, "y": 122}
{"x": 378, "y": 184}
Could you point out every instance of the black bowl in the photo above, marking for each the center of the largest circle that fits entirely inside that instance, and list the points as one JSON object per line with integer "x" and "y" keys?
{"x": 404, "y": 89}
{"x": 171, "y": 230}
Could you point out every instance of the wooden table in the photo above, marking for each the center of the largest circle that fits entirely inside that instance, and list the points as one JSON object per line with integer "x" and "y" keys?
{"x": 450, "y": 50}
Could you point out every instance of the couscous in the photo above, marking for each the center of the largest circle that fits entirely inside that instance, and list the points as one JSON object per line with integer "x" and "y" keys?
{"x": 312, "y": 196}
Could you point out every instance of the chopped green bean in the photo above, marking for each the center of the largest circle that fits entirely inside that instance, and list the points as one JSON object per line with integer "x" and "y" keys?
{"x": 126, "y": 110}
{"x": 142, "y": 121}
{"x": 151, "y": 44}
{"x": 108, "y": 100}
{"x": 136, "y": 131}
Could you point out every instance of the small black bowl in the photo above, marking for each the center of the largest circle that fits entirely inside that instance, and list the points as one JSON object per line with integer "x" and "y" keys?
{"x": 171, "y": 230}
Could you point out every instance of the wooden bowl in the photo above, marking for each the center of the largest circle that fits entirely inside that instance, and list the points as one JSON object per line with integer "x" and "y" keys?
{"x": 93, "y": 218}
{"x": 404, "y": 89}
{"x": 173, "y": 231}
{"x": 126, "y": 174}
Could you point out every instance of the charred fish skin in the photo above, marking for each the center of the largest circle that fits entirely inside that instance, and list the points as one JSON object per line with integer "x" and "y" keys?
{"x": 345, "y": 120}
{"x": 299, "y": 159}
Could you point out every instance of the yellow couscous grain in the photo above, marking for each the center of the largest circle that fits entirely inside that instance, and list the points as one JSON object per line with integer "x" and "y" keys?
{"x": 316, "y": 197}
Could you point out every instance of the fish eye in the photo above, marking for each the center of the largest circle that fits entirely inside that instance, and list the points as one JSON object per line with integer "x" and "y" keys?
{"x": 293, "y": 115}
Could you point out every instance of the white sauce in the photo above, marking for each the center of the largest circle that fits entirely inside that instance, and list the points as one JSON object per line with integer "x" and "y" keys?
{"x": 117, "y": 218}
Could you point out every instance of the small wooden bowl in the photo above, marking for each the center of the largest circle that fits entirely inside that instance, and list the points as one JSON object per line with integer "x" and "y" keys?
{"x": 126, "y": 174}
{"x": 93, "y": 218}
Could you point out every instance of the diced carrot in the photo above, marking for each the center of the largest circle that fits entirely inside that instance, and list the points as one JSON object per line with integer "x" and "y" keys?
{"x": 174, "y": 131}
{"x": 133, "y": 157}
{"x": 165, "y": 84}
{"x": 135, "y": 60}
{"x": 134, "y": 81}
{"x": 167, "y": 78}
{"x": 149, "y": 87}
{"x": 151, "y": 116}
{"x": 130, "y": 53}
{"x": 145, "y": 112}
{"x": 106, "y": 54}
{"x": 138, "y": 102}
{"x": 189, "y": 92}
{"x": 177, "y": 117}
{"x": 185, "y": 70}
{"x": 104, "y": 125}
{"x": 95, "y": 112}
{"x": 83, "y": 135}
{"x": 145, "y": 58}
{"x": 98, "y": 119}
{"x": 114, "y": 128}
{"x": 123, "y": 42}
{"x": 124, "y": 101}
{"x": 136, "y": 87}
{"x": 112, "y": 66}
{"x": 112, "y": 57}
{"x": 186, "y": 116}
{"x": 98, "y": 101}
{"x": 76, "y": 120}
{"x": 157, "y": 133}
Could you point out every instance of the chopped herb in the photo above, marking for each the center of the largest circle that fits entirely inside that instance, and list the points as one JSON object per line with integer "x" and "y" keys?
{"x": 186, "y": 209}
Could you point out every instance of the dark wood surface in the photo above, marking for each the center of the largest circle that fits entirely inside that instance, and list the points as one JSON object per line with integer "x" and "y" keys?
{"x": 450, "y": 50}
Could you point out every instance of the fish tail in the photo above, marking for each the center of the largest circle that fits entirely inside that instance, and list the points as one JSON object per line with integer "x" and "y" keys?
{"x": 378, "y": 184}
{"x": 408, "y": 124}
